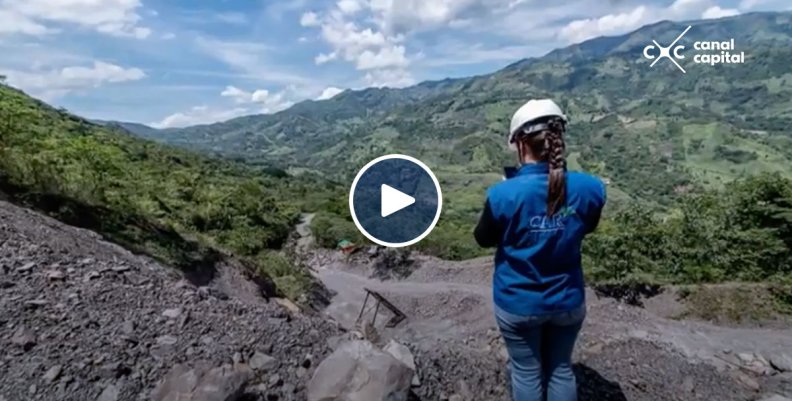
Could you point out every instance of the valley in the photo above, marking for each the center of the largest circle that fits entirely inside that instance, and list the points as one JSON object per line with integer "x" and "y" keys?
{"x": 139, "y": 263}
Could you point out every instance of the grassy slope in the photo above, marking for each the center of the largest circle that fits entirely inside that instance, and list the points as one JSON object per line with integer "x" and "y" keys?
{"x": 147, "y": 196}
{"x": 653, "y": 132}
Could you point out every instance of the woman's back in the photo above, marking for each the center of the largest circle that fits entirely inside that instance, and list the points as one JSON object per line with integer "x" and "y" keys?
{"x": 538, "y": 219}
{"x": 538, "y": 263}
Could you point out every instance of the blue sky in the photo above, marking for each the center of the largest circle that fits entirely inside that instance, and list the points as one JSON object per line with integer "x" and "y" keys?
{"x": 182, "y": 62}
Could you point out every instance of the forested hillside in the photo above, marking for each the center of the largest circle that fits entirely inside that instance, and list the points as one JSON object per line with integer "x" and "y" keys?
{"x": 699, "y": 164}
{"x": 168, "y": 203}
{"x": 658, "y": 136}
{"x": 653, "y": 131}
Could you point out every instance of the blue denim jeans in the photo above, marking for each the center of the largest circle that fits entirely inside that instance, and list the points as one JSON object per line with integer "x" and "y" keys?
{"x": 540, "y": 354}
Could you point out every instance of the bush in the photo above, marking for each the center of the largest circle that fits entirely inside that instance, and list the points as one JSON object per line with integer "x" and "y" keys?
{"x": 739, "y": 233}
{"x": 149, "y": 197}
{"x": 289, "y": 280}
{"x": 330, "y": 228}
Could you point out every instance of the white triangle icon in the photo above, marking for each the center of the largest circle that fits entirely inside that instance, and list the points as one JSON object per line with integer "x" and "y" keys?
{"x": 392, "y": 200}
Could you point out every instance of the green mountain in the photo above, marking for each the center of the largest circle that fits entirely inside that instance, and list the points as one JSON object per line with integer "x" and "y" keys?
{"x": 674, "y": 146}
{"x": 141, "y": 130}
{"x": 654, "y": 132}
{"x": 178, "y": 207}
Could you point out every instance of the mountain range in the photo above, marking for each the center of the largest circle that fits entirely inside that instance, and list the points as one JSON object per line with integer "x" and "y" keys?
{"x": 652, "y": 131}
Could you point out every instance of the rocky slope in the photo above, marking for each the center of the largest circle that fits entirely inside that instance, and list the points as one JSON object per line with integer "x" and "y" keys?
{"x": 82, "y": 319}
{"x": 624, "y": 353}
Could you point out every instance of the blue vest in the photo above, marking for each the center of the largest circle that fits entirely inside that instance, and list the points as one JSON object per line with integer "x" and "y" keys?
{"x": 538, "y": 263}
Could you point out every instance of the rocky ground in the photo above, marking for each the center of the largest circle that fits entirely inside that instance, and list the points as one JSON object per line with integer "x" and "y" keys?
{"x": 81, "y": 319}
{"x": 624, "y": 353}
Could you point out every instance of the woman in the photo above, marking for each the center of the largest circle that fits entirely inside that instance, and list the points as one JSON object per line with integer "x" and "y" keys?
{"x": 537, "y": 219}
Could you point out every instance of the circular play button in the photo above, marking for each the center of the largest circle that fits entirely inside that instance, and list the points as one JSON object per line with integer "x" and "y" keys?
{"x": 395, "y": 200}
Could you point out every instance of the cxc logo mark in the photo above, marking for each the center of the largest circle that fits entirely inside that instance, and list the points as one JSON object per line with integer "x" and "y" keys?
{"x": 667, "y": 52}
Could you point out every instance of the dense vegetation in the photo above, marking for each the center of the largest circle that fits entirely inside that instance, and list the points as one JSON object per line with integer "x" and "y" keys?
{"x": 699, "y": 164}
{"x": 654, "y": 133}
{"x": 740, "y": 233}
{"x": 146, "y": 196}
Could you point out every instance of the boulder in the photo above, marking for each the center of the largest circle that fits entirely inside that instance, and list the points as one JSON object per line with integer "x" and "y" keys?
{"x": 781, "y": 362}
{"x": 262, "y": 361}
{"x": 172, "y": 313}
{"x": 53, "y": 373}
{"x": 358, "y": 371}
{"x": 24, "y": 338}
{"x": 403, "y": 354}
{"x": 110, "y": 393}
{"x": 203, "y": 383}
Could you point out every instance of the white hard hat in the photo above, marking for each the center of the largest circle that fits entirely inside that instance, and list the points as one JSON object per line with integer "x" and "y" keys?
{"x": 533, "y": 110}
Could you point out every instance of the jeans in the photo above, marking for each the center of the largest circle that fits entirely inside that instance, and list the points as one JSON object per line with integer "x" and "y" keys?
{"x": 540, "y": 353}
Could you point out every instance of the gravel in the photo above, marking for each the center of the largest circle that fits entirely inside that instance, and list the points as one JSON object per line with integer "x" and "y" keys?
{"x": 82, "y": 319}
{"x": 109, "y": 325}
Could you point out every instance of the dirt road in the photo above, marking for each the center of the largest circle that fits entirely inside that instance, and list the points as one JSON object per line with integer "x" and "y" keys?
{"x": 451, "y": 302}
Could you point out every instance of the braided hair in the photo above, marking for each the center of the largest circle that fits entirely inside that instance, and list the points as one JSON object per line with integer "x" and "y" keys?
{"x": 549, "y": 146}
{"x": 554, "y": 153}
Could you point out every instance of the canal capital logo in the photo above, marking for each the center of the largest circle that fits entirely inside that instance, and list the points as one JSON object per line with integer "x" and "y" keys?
{"x": 707, "y": 52}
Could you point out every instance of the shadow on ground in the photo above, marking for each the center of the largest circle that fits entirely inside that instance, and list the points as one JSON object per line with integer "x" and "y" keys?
{"x": 593, "y": 387}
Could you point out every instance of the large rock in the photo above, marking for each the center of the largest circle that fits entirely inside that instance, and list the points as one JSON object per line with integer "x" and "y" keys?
{"x": 203, "y": 383}
{"x": 358, "y": 371}
{"x": 403, "y": 354}
{"x": 781, "y": 362}
{"x": 261, "y": 361}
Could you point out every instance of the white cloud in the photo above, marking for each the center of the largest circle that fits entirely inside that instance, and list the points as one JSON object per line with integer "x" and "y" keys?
{"x": 349, "y": 6}
{"x": 324, "y": 58}
{"x": 385, "y": 57}
{"x": 623, "y": 22}
{"x": 54, "y": 83}
{"x": 169, "y": 36}
{"x": 580, "y": 30}
{"x": 237, "y": 94}
{"x": 267, "y": 102}
{"x": 400, "y": 16}
{"x": 389, "y": 78}
{"x": 329, "y": 93}
{"x": 367, "y": 47}
{"x": 112, "y": 17}
{"x": 372, "y": 35}
{"x": 309, "y": 19}
{"x": 717, "y": 12}
{"x": 249, "y": 57}
{"x": 11, "y": 22}
{"x": 258, "y": 101}
{"x": 199, "y": 115}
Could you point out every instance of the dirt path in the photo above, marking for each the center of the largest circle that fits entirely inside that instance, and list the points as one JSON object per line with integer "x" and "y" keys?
{"x": 451, "y": 301}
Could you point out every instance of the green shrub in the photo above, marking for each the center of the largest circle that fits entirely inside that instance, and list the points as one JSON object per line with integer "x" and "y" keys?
{"x": 330, "y": 228}
{"x": 289, "y": 280}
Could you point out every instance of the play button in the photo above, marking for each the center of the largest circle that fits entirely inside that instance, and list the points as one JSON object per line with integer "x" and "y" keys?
{"x": 395, "y": 200}
{"x": 392, "y": 200}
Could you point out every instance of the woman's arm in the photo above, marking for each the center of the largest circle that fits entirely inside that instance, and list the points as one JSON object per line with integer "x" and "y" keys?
{"x": 487, "y": 232}
{"x": 600, "y": 197}
{"x": 593, "y": 221}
